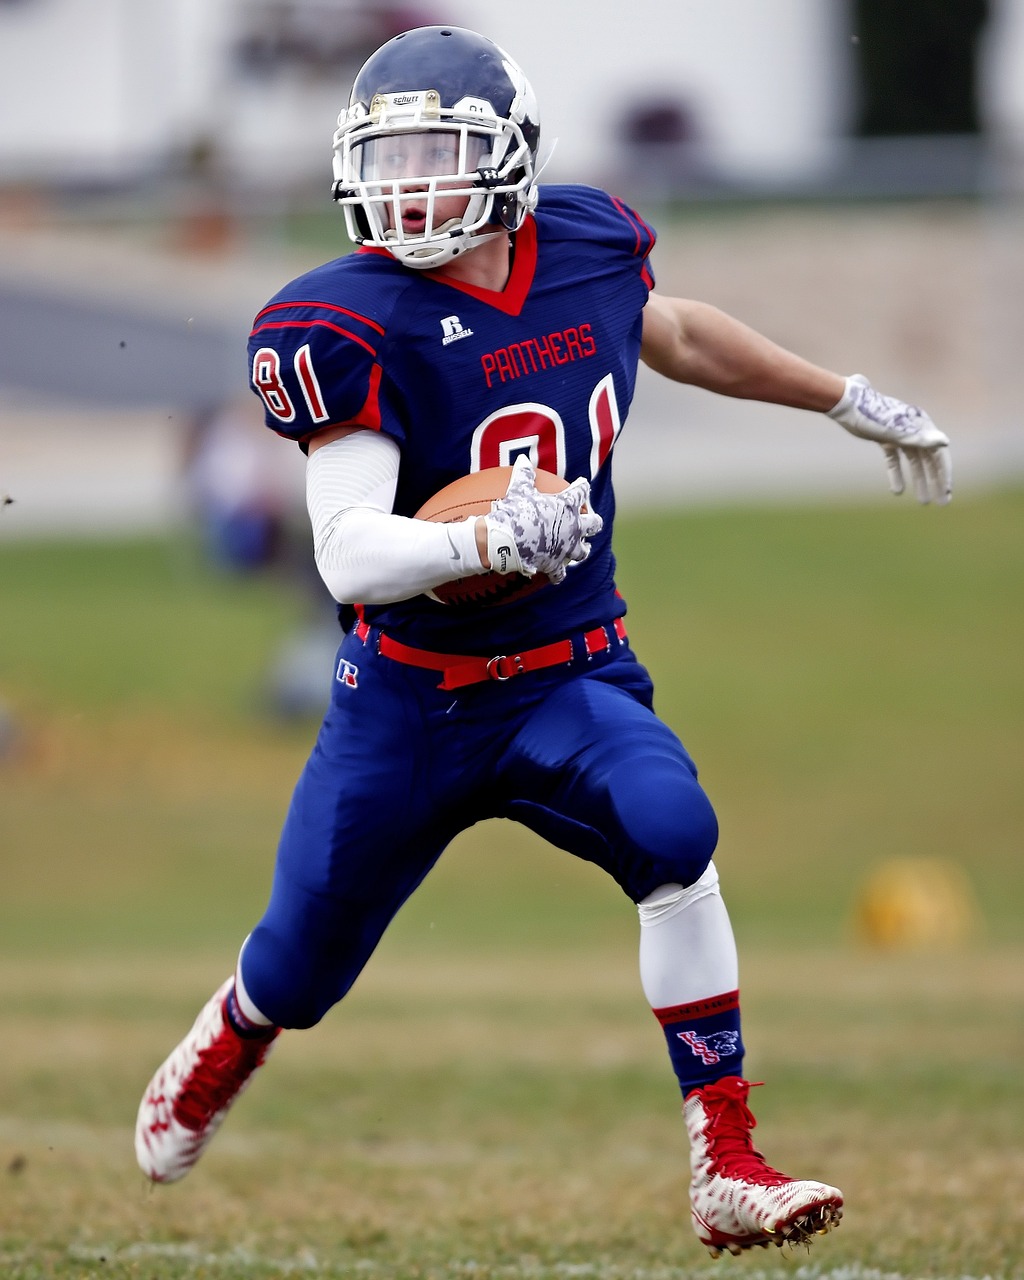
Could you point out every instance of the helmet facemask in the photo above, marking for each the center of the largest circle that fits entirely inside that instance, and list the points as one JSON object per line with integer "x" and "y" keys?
{"x": 407, "y": 158}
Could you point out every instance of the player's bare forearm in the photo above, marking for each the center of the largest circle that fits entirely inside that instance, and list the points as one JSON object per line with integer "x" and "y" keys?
{"x": 698, "y": 344}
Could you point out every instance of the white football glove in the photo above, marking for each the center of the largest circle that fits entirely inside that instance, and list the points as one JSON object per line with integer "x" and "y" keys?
{"x": 901, "y": 429}
{"x": 531, "y": 532}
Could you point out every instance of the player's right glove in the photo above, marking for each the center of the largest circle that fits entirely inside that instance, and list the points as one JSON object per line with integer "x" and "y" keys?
{"x": 548, "y": 531}
{"x": 902, "y": 430}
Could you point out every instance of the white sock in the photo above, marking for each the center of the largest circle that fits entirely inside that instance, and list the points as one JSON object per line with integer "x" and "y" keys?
{"x": 687, "y": 948}
{"x": 246, "y": 1008}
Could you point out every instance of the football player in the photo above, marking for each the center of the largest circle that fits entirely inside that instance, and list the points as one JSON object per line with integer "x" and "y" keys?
{"x": 485, "y": 320}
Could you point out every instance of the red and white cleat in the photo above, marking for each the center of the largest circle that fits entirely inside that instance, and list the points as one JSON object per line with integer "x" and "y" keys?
{"x": 739, "y": 1202}
{"x": 192, "y": 1092}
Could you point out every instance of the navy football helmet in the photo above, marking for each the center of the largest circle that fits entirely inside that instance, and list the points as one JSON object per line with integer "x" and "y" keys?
{"x": 436, "y": 113}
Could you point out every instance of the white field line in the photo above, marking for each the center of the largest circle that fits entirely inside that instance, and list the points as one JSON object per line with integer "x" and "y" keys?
{"x": 306, "y": 1263}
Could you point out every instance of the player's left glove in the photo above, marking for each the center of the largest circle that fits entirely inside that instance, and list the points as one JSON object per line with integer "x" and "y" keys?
{"x": 904, "y": 432}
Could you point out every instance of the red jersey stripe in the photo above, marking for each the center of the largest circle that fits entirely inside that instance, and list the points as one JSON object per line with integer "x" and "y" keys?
{"x": 308, "y": 324}
{"x": 641, "y": 229}
{"x": 322, "y": 306}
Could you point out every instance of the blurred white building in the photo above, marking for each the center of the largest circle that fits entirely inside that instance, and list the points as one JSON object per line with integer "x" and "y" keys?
{"x": 101, "y": 90}
{"x": 132, "y": 98}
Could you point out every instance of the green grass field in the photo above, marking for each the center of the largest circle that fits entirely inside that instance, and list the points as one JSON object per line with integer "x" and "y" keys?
{"x": 493, "y": 1099}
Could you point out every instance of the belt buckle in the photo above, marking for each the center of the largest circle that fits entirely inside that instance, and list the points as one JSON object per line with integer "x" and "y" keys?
{"x": 493, "y": 673}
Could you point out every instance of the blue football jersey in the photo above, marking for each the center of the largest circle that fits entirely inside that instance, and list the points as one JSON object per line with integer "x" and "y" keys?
{"x": 464, "y": 378}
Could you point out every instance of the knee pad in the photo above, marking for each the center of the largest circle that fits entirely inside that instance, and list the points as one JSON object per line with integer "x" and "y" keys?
{"x": 670, "y": 829}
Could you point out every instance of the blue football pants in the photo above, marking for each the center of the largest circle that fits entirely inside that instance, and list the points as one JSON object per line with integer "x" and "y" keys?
{"x": 400, "y": 767}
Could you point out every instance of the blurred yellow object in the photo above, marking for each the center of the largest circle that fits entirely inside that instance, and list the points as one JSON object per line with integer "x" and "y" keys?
{"x": 917, "y": 902}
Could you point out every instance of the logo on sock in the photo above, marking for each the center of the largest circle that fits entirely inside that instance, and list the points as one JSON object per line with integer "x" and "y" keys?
{"x": 710, "y": 1049}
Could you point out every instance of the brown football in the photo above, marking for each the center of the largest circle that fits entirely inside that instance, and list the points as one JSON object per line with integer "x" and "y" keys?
{"x": 472, "y": 495}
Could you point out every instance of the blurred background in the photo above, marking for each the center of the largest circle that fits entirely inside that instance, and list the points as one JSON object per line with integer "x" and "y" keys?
{"x": 844, "y": 174}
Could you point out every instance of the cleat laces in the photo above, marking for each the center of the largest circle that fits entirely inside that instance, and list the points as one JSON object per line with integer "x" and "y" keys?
{"x": 730, "y": 1148}
{"x": 222, "y": 1067}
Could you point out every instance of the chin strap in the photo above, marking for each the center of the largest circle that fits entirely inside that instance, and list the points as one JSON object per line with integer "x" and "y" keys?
{"x": 433, "y": 254}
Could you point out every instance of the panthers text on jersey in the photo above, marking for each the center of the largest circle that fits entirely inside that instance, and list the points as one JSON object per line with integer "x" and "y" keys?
{"x": 464, "y": 378}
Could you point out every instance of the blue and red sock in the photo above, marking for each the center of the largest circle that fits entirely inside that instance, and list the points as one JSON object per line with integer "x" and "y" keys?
{"x": 704, "y": 1040}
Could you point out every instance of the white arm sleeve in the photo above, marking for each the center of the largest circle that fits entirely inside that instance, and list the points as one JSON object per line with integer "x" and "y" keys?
{"x": 363, "y": 552}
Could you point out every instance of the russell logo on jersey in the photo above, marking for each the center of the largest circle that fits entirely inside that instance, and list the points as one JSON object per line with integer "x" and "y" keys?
{"x": 452, "y": 330}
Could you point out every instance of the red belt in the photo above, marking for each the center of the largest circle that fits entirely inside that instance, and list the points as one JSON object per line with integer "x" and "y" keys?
{"x": 461, "y": 669}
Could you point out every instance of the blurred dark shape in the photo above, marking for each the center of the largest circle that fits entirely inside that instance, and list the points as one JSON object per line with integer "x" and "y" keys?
{"x": 319, "y": 37}
{"x": 108, "y": 352}
{"x": 10, "y": 733}
{"x": 660, "y": 122}
{"x": 298, "y": 683}
{"x": 205, "y": 220}
{"x": 917, "y": 65}
{"x": 234, "y": 488}
{"x": 249, "y": 507}
{"x": 663, "y": 149}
